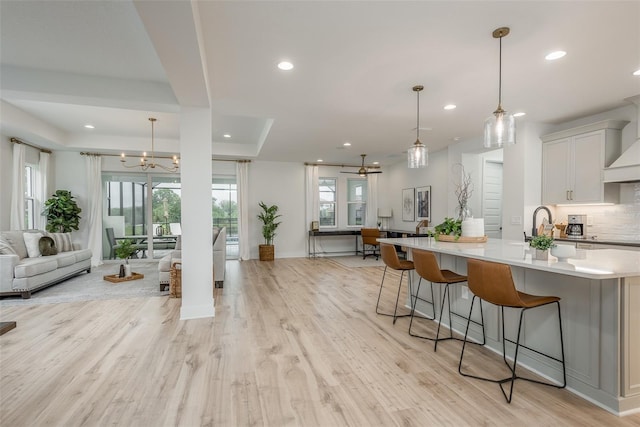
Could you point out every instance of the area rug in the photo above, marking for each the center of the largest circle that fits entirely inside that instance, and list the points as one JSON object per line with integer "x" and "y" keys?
{"x": 357, "y": 261}
{"x": 92, "y": 286}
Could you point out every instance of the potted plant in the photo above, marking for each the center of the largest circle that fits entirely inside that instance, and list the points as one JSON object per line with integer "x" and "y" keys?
{"x": 268, "y": 217}
{"x": 541, "y": 244}
{"x": 125, "y": 250}
{"x": 62, "y": 212}
{"x": 450, "y": 227}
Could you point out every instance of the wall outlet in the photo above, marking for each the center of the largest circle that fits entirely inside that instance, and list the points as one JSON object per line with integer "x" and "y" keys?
{"x": 465, "y": 292}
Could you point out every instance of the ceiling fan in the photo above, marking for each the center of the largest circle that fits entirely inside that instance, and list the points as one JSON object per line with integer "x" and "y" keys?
{"x": 363, "y": 171}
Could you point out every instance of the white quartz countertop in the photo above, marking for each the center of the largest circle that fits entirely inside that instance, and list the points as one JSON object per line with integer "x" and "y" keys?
{"x": 591, "y": 264}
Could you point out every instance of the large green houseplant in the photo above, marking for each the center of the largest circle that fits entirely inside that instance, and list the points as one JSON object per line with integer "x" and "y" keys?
{"x": 268, "y": 217}
{"x": 62, "y": 212}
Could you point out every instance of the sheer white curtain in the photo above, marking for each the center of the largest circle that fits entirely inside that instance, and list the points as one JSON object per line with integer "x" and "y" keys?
{"x": 42, "y": 190}
{"x": 242, "y": 176}
{"x": 17, "y": 190}
{"x": 312, "y": 209}
{"x": 94, "y": 216}
{"x": 372, "y": 201}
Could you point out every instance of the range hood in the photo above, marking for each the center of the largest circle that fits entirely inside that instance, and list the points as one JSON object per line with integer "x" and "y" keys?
{"x": 627, "y": 167}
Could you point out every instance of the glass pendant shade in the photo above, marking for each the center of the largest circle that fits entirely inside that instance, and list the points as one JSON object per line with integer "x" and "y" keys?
{"x": 418, "y": 156}
{"x": 499, "y": 130}
{"x": 500, "y": 127}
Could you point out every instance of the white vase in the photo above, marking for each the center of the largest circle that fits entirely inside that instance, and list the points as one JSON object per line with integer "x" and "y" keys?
{"x": 127, "y": 270}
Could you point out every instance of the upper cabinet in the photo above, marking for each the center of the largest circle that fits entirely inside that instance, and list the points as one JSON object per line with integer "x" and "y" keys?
{"x": 573, "y": 162}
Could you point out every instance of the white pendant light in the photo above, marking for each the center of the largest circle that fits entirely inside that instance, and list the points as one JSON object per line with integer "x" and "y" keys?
{"x": 418, "y": 155}
{"x": 500, "y": 127}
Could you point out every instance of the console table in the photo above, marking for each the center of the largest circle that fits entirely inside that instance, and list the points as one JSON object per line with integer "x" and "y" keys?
{"x": 313, "y": 235}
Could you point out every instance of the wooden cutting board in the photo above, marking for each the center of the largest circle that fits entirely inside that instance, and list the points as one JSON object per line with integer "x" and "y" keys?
{"x": 461, "y": 239}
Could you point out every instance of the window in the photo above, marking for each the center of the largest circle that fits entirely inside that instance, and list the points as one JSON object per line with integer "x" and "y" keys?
{"x": 356, "y": 202}
{"x": 327, "y": 199}
{"x": 29, "y": 197}
{"x": 224, "y": 199}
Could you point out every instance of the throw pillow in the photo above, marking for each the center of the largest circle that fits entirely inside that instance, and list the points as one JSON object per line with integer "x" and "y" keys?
{"x": 47, "y": 246}
{"x": 31, "y": 241}
{"x": 62, "y": 241}
{"x": 6, "y": 248}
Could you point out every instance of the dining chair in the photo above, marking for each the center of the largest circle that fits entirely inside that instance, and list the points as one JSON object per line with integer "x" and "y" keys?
{"x": 113, "y": 244}
{"x": 370, "y": 238}
{"x": 493, "y": 283}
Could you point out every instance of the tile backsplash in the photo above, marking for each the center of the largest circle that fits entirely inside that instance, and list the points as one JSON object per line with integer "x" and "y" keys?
{"x": 612, "y": 222}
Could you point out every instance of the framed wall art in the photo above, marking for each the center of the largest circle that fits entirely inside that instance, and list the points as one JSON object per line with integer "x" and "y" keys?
{"x": 408, "y": 200}
{"x": 423, "y": 203}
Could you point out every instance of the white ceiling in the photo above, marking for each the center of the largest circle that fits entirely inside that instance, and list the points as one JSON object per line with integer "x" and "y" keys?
{"x": 114, "y": 64}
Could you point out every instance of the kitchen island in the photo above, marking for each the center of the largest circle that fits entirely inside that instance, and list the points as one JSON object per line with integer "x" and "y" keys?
{"x": 600, "y": 292}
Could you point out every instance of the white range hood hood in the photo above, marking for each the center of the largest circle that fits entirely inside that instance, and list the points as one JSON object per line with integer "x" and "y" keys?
{"x": 627, "y": 167}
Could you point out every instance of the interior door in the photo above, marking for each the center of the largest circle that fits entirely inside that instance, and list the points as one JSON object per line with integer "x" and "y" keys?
{"x": 492, "y": 198}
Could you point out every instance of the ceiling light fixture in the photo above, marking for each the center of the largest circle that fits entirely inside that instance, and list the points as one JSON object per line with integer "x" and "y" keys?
{"x": 89, "y": 126}
{"x": 520, "y": 114}
{"x": 450, "y": 107}
{"x": 555, "y": 55}
{"x": 636, "y": 73}
{"x": 146, "y": 163}
{"x": 226, "y": 135}
{"x": 418, "y": 155}
{"x": 285, "y": 65}
{"x": 347, "y": 144}
{"x": 500, "y": 127}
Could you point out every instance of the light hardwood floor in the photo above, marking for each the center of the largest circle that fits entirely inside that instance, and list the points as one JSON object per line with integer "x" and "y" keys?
{"x": 294, "y": 342}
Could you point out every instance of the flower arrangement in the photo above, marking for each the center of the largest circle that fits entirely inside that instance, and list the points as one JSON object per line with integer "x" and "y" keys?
{"x": 463, "y": 192}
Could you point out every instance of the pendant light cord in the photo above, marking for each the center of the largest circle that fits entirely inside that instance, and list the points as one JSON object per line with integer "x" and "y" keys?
{"x": 418, "y": 117}
{"x": 500, "y": 76}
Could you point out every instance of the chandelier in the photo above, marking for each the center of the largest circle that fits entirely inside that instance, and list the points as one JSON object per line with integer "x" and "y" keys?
{"x": 500, "y": 127}
{"x": 146, "y": 163}
{"x": 417, "y": 155}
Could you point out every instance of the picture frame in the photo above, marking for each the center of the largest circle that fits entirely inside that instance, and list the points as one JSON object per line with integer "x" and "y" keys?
{"x": 423, "y": 203}
{"x": 408, "y": 204}
{"x": 315, "y": 225}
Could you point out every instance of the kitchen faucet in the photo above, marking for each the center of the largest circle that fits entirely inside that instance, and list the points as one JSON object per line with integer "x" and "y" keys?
{"x": 534, "y": 231}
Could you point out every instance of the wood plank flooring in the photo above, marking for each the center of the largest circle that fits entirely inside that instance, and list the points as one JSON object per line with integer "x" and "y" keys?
{"x": 295, "y": 342}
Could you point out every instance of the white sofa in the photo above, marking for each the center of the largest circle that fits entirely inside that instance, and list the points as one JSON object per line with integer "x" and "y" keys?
{"x": 22, "y": 275}
{"x": 219, "y": 259}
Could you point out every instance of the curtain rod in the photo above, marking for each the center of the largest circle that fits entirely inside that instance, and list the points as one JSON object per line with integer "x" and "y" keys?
{"x": 85, "y": 153}
{"x": 342, "y": 165}
{"x": 18, "y": 141}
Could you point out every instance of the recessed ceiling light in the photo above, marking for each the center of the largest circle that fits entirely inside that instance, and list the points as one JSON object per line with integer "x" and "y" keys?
{"x": 285, "y": 65}
{"x": 376, "y": 163}
{"x": 456, "y": 138}
{"x": 555, "y": 55}
{"x": 320, "y": 160}
{"x": 449, "y": 107}
{"x": 347, "y": 144}
{"x": 520, "y": 114}
{"x": 636, "y": 73}
{"x": 89, "y": 126}
{"x": 226, "y": 135}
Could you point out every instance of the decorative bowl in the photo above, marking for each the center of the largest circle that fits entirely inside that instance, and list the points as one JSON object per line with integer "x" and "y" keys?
{"x": 563, "y": 252}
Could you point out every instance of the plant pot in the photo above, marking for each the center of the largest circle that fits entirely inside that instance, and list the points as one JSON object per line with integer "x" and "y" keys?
{"x": 542, "y": 254}
{"x": 267, "y": 252}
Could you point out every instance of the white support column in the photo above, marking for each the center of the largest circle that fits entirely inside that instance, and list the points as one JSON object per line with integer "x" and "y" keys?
{"x": 197, "y": 248}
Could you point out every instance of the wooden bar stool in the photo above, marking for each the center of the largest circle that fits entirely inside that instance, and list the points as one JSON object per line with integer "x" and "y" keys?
{"x": 493, "y": 282}
{"x": 427, "y": 267}
{"x": 391, "y": 260}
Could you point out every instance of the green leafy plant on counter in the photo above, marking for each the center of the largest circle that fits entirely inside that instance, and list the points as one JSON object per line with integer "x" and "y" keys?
{"x": 450, "y": 226}
{"x": 541, "y": 242}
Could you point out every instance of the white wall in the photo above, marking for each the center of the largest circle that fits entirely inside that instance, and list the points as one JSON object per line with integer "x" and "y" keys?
{"x": 70, "y": 173}
{"x": 282, "y": 184}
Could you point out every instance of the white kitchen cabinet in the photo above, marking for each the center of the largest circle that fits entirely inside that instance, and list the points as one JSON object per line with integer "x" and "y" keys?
{"x": 573, "y": 162}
